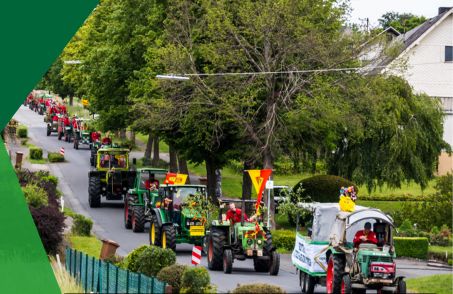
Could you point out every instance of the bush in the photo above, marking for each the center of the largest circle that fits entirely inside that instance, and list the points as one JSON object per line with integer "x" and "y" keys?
{"x": 153, "y": 259}
{"x": 258, "y": 288}
{"x": 407, "y": 229}
{"x": 131, "y": 261}
{"x": 416, "y": 247}
{"x": 35, "y": 196}
{"x": 323, "y": 188}
{"x": 82, "y": 225}
{"x": 440, "y": 253}
{"x": 284, "y": 239}
{"x": 36, "y": 153}
{"x": 22, "y": 132}
{"x": 450, "y": 262}
{"x": 55, "y": 157}
{"x": 195, "y": 280}
{"x": 172, "y": 275}
{"x": 390, "y": 197}
{"x": 441, "y": 237}
{"x": 49, "y": 222}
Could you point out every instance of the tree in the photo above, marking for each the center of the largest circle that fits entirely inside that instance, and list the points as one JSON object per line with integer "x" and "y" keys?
{"x": 402, "y": 22}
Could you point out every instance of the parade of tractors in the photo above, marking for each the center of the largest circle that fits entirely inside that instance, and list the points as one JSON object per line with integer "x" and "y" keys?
{"x": 347, "y": 249}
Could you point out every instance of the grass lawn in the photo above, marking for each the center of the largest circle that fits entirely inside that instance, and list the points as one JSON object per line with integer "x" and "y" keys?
{"x": 163, "y": 147}
{"x": 440, "y": 252}
{"x": 408, "y": 189}
{"x": 88, "y": 245}
{"x": 439, "y": 284}
{"x": 386, "y": 206}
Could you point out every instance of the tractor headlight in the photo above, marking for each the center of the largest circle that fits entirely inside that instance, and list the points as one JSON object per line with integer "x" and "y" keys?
{"x": 259, "y": 242}
{"x": 249, "y": 242}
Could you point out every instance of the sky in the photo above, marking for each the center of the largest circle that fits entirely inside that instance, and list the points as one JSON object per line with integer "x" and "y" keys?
{"x": 374, "y": 9}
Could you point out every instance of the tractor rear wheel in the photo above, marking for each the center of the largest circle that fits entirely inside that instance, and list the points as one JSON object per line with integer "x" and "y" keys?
{"x": 216, "y": 241}
{"x": 274, "y": 263}
{"x": 227, "y": 261}
{"x": 168, "y": 237}
{"x": 138, "y": 219}
{"x": 401, "y": 288}
{"x": 335, "y": 270}
{"x": 127, "y": 214}
{"x": 346, "y": 285}
{"x": 94, "y": 191}
{"x": 154, "y": 232}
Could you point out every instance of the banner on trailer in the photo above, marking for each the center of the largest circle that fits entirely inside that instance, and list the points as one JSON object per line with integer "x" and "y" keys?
{"x": 304, "y": 255}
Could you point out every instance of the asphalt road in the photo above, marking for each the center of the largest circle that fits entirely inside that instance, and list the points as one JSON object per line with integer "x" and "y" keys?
{"x": 108, "y": 220}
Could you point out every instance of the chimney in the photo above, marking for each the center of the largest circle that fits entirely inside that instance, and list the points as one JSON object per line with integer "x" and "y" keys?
{"x": 443, "y": 9}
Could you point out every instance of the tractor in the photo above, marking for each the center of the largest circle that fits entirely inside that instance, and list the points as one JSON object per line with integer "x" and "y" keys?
{"x": 81, "y": 135}
{"x": 52, "y": 125}
{"x": 112, "y": 176}
{"x": 95, "y": 146}
{"x": 328, "y": 257}
{"x": 141, "y": 198}
{"x": 179, "y": 216}
{"x": 64, "y": 130}
{"x": 228, "y": 241}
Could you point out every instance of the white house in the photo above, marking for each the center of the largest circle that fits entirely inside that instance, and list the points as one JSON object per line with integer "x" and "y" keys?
{"x": 427, "y": 52}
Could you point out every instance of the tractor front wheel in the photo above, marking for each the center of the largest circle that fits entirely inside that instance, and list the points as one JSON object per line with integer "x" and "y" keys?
{"x": 94, "y": 192}
{"x": 401, "y": 288}
{"x": 274, "y": 263}
{"x": 216, "y": 241}
{"x": 127, "y": 214}
{"x": 154, "y": 232}
{"x": 227, "y": 261}
{"x": 138, "y": 219}
{"x": 307, "y": 283}
{"x": 168, "y": 237}
{"x": 346, "y": 285}
{"x": 335, "y": 269}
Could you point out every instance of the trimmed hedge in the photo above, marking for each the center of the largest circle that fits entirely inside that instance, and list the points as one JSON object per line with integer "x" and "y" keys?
{"x": 323, "y": 188}
{"x": 22, "y": 132}
{"x": 55, "y": 157}
{"x": 196, "y": 280}
{"x": 153, "y": 259}
{"x": 405, "y": 197}
{"x": 284, "y": 239}
{"x": 172, "y": 275}
{"x": 258, "y": 288}
{"x": 35, "y": 153}
{"x": 82, "y": 225}
{"x": 416, "y": 247}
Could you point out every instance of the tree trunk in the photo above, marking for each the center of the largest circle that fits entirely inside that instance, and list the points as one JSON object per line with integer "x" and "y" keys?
{"x": 132, "y": 137}
{"x": 156, "y": 151}
{"x": 211, "y": 175}
{"x": 123, "y": 134}
{"x": 148, "y": 150}
{"x": 182, "y": 163}
{"x": 173, "y": 159}
{"x": 71, "y": 100}
{"x": 314, "y": 159}
{"x": 218, "y": 183}
{"x": 269, "y": 164}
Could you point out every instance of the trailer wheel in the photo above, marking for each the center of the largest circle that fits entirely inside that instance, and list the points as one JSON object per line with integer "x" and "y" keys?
{"x": 401, "y": 288}
{"x": 335, "y": 269}
{"x": 307, "y": 283}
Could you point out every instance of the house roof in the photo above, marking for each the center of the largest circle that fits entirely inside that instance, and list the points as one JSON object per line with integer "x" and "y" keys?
{"x": 409, "y": 39}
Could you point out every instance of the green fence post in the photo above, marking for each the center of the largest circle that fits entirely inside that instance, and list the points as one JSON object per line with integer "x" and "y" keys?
{"x": 100, "y": 277}
{"x": 80, "y": 266}
{"x": 116, "y": 280}
{"x": 70, "y": 261}
{"x": 152, "y": 285}
{"x": 108, "y": 265}
{"x": 127, "y": 282}
{"x": 92, "y": 273}
{"x": 86, "y": 273}
{"x": 139, "y": 282}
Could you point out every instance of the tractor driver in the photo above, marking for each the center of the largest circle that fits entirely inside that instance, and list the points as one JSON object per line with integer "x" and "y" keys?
{"x": 152, "y": 184}
{"x": 365, "y": 236}
{"x": 234, "y": 214}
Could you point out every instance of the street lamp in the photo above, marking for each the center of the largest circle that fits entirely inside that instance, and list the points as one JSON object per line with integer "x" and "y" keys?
{"x": 172, "y": 77}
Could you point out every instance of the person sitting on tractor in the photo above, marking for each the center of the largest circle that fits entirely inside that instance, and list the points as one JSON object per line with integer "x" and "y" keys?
{"x": 152, "y": 184}
{"x": 75, "y": 124}
{"x": 234, "y": 214}
{"x": 63, "y": 108}
{"x": 106, "y": 141}
{"x": 95, "y": 136}
{"x": 66, "y": 121}
{"x": 105, "y": 159}
{"x": 365, "y": 236}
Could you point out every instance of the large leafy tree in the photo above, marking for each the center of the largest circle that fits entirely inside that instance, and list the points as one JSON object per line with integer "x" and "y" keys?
{"x": 403, "y": 22}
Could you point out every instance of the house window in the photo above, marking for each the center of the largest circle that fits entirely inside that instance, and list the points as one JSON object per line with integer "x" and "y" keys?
{"x": 448, "y": 53}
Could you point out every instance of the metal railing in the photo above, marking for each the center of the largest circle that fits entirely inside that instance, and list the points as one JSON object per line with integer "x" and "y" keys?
{"x": 97, "y": 276}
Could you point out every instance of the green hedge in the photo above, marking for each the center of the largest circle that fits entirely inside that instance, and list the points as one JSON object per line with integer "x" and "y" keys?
{"x": 323, "y": 188}
{"x": 284, "y": 239}
{"x": 82, "y": 225}
{"x": 22, "y": 132}
{"x": 258, "y": 288}
{"x": 55, "y": 157}
{"x": 36, "y": 153}
{"x": 416, "y": 247}
{"x": 405, "y": 197}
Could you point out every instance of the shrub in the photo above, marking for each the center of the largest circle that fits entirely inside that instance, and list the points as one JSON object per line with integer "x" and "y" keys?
{"x": 440, "y": 236}
{"x": 407, "y": 229}
{"x": 55, "y": 157}
{"x": 444, "y": 184}
{"x": 195, "y": 280}
{"x": 390, "y": 197}
{"x": 49, "y": 222}
{"x": 258, "y": 288}
{"x": 35, "y": 196}
{"x": 22, "y": 132}
{"x": 153, "y": 259}
{"x": 172, "y": 275}
{"x": 82, "y": 225}
{"x": 416, "y": 247}
{"x": 440, "y": 253}
{"x": 35, "y": 153}
{"x": 450, "y": 262}
{"x": 24, "y": 142}
{"x": 284, "y": 239}
{"x": 131, "y": 261}
{"x": 323, "y": 188}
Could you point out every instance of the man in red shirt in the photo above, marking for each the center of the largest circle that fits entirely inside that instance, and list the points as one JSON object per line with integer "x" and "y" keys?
{"x": 365, "y": 236}
{"x": 95, "y": 136}
{"x": 74, "y": 123}
{"x": 234, "y": 214}
{"x": 66, "y": 121}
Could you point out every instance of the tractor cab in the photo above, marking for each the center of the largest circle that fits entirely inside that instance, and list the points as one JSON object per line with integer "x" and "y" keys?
{"x": 110, "y": 159}
{"x": 147, "y": 183}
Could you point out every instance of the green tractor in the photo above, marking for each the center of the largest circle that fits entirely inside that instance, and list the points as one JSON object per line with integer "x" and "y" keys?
{"x": 81, "y": 135}
{"x": 179, "y": 216}
{"x": 228, "y": 241}
{"x": 52, "y": 125}
{"x": 112, "y": 177}
{"x": 142, "y": 197}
